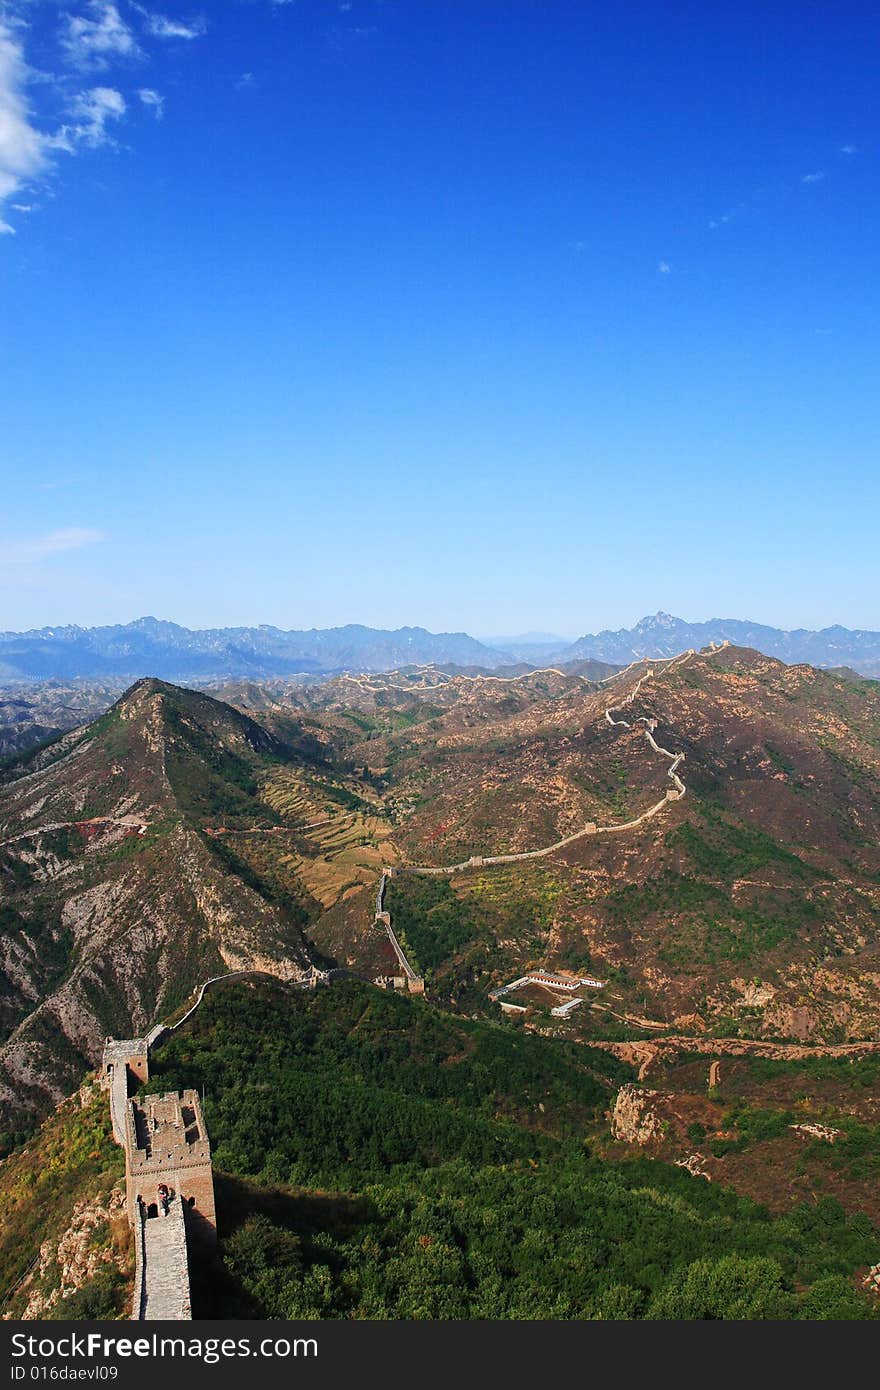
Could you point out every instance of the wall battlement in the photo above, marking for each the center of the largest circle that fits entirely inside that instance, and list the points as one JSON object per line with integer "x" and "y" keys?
{"x": 166, "y": 1143}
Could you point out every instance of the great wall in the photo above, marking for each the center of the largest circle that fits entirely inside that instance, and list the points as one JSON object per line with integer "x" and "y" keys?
{"x": 642, "y": 1053}
{"x": 169, "y": 1182}
{"x": 131, "y": 824}
{"x": 410, "y": 979}
{"x": 674, "y": 793}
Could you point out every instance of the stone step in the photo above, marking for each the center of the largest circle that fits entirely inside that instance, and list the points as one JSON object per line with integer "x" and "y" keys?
{"x": 166, "y": 1272}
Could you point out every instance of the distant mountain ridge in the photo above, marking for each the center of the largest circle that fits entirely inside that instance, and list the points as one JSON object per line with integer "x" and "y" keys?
{"x": 172, "y": 652}
{"x": 126, "y": 651}
{"x": 664, "y": 635}
{"x": 534, "y": 647}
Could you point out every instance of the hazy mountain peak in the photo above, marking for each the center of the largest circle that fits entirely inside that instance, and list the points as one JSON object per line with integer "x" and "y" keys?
{"x": 663, "y": 634}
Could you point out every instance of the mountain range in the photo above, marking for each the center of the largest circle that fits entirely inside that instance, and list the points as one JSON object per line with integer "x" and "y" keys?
{"x": 664, "y": 635}
{"x": 172, "y": 652}
{"x": 124, "y": 652}
{"x": 179, "y": 835}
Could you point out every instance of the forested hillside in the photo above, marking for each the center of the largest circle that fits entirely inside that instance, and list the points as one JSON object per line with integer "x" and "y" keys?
{"x": 377, "y": 1158}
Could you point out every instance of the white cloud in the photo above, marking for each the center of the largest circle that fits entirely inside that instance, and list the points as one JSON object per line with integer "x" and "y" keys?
{"x": 22, "y": 147}
{"x": 95, "y": 36}
{"x": 816, "y": 177}
{"x": 25, "y": 151}
{"x": 31, "y": 551}
{"x": 91, "y": 112}
{"x": 154, "y": 100}
{"x": 162, "y": 27}
{"x": 247, "y": 79}
{"x": 92, "y": 40}
{"x": 849, "y": 149}
{"x": 664, "y": 268}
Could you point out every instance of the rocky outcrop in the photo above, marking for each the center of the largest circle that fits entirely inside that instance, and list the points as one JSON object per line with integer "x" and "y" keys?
{"x": 817, "y": 1131}
{"x": 695, "y": 1165}
{"x": 96, "y": 1239}
{"x": 633, "y": 1121}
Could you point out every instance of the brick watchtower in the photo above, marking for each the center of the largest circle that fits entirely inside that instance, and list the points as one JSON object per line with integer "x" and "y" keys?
{"x": 166, "y": 1142}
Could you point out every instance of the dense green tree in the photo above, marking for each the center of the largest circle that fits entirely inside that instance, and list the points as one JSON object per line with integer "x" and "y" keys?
{"x": 266, "y": 1260}
{"x": 730, "y": 1288}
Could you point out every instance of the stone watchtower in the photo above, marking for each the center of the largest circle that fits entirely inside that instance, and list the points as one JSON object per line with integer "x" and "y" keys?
{"x": 130, "y": 1055}
{"x": 124, "y": 1061}
{"x": 166, "y": 1142}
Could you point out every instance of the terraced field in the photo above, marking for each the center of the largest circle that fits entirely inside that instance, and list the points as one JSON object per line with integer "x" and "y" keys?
{"x": 341, "y": 841}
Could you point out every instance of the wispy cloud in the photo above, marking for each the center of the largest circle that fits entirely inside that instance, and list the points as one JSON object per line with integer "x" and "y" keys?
{"x": 92, "y": 40}
{"x": 32, "y": 550}
{"x": 849, "y": 149}
{"x": 729, "y": 216}
{"x": 91, "y": 113}
{"x": 760, "y": 196}
{"x": 22, "y": 147}
{"x": 163, "y": 27}
{"x": 153, "y": 100}
{"x": 664, "y": 268}
{"x": 94, "y": 36}
{"x": 57, "y": 484}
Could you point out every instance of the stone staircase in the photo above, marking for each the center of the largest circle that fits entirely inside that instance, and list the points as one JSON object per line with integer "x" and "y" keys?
{"x": 162, "y": 1290}
{"x": 119, "y": 1103}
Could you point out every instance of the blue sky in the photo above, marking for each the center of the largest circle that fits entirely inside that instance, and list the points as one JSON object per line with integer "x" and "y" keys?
{"x": 486, "y": 314}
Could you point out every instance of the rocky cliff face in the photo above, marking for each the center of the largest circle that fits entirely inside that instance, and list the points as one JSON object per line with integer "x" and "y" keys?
{"x": 633, "y": 1120}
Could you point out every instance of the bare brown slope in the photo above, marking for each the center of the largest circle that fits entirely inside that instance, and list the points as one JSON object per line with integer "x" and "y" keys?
{"x": 752, "y": 905}
{"x": 114, "y": 905}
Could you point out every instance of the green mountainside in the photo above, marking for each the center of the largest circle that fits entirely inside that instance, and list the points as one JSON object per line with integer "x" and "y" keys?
{"x": 375, "y": 1157}
{"x": 462, "y": 1156}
